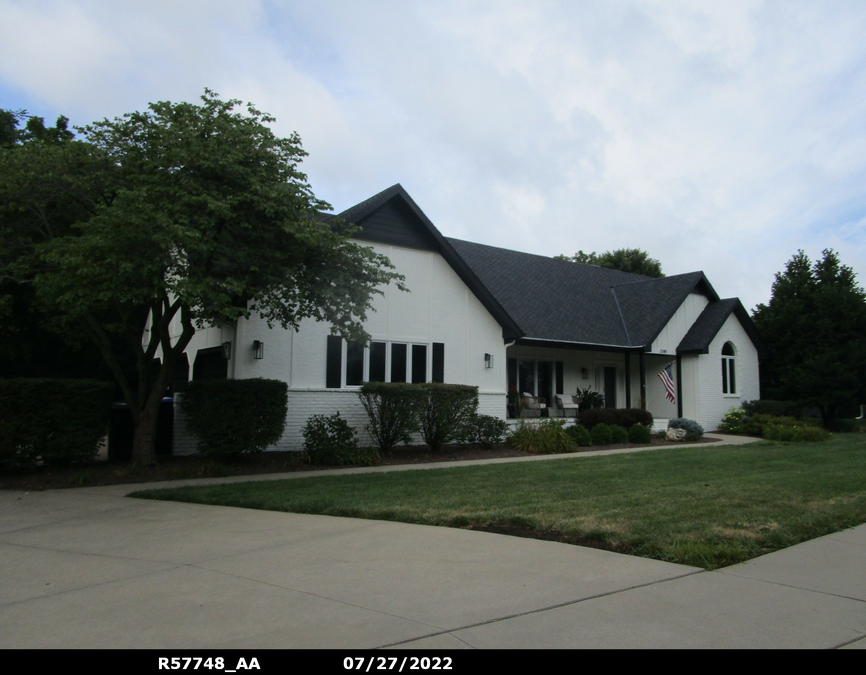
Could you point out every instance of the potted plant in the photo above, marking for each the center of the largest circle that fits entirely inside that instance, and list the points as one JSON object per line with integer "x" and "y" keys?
{"x": 587, "y": 398}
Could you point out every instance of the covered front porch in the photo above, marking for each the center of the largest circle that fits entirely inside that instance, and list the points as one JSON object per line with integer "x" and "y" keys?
{"x": 552, "y": 374}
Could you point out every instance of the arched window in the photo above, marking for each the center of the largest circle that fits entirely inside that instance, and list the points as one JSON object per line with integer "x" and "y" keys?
{"x": 729, "y": 377}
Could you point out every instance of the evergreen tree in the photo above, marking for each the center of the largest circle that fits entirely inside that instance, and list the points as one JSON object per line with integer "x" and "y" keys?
{"x": 815, "y": 330}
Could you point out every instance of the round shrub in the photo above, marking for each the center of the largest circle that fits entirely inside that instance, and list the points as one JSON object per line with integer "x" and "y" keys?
{"x": 638, "y": 433}
{"x": 580, "y": 434}
{"x": 233, "y": 417}
{"x": 484, "y": 430}
{"x": 693, "y": 430}
{"x": 601, "y": 434}
{"x": 618, "y": 434}
{"x": 331, "y": 441}
{"x": 734, "y": 421}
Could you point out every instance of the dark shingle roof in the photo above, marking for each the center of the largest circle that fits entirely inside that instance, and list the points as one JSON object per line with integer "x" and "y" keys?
{"x": 647, "y": 305}
{"x": 562, "y": 301}
{"x": 544, "y": 299}
{"x": 708, "y": 324}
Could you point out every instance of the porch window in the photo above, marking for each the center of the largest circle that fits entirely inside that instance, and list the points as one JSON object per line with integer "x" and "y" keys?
{"x": 539, "y": 378}
{"x": 729, "y": 377}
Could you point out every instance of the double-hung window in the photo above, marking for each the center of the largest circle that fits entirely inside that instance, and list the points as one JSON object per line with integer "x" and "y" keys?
{"x": 350, "y": 364}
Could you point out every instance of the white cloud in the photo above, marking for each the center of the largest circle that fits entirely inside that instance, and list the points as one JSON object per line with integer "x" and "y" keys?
{"x": 718, "y": 136}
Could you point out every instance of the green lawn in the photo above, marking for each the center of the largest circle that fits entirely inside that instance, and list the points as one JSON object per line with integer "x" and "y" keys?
{"x": 708, "y": 506}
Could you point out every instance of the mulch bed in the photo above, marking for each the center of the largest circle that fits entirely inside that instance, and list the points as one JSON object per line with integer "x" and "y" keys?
{"x": 177, "y": 468}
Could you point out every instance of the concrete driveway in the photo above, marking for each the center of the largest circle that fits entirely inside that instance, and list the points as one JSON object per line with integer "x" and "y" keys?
{"x": 93, "y": 568}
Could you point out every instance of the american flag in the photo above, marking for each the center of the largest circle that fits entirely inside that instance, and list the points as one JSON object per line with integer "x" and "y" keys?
{"x": 665, "y": 377}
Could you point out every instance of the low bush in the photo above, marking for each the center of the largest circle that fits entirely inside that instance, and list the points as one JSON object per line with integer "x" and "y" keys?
{"x": 332, "y": 441}
{"x": 546, "y": 438}
{"x": 234, "y": 417}
{"x": 618, "y": 434}
{"x": 445, "y": 412}
{"x": 601, "y": 434}
{"x": 393, "y": 409}
{"x": 580, "y": 434}
{"x": 693, "y": 430}
{"x": 734, "y": 421}
{"x": 789, "y": 433}
{"x": 484, "y": 430}
{"x": 639, "y": 433}
{"x": 624, "y": 417}
{"x": 52, "y": 421}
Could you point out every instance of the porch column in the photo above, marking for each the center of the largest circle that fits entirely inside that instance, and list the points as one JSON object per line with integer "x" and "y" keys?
{"x": 628, "y": 380}
{"x": 642, "y": 380}
{"x": 679, "y": 386}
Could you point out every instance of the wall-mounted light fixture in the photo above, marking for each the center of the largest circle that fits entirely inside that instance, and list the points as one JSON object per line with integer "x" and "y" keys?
{"x": 584, "y": 373}
{"x": 227, "y": 350}
{"x": 258, "y": 349}
{"x": 488, "y": 360}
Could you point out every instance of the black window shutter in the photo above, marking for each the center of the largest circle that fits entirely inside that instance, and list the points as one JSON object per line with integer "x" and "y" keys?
{"x": 438, "y": 362}
{"x": 334, "y": 367}
{"x": 559, "y": 378}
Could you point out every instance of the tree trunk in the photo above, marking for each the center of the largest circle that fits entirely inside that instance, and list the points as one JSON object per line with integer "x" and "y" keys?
{"x": 144, "y": 436}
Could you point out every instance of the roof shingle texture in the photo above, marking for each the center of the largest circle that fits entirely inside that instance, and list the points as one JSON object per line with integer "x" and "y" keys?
{"x": 563, "y": 301}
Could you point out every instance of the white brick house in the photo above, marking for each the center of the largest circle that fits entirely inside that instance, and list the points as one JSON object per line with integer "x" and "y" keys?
{"x": 503, "y": 321}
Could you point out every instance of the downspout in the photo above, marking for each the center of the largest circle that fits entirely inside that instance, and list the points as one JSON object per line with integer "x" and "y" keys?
{"x": 679, "y": 385}
{"x": 642, "y": 362}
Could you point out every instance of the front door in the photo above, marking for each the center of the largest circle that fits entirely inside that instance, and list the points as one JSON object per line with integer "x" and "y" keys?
{"x": 610, "y": 386}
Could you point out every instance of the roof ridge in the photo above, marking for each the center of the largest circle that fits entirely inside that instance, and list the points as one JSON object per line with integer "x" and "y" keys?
{"x": 369, "y": 200}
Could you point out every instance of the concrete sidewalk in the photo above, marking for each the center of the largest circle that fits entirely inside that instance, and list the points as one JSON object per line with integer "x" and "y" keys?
{"x": 91, "y": 568}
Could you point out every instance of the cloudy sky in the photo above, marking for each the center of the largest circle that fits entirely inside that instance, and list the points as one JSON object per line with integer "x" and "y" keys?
{"x": 720, "y": 136}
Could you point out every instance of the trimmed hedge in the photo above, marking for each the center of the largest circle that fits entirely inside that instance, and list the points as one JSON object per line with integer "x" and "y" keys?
{"x": 233, "y": 417}
{"x": 393, "y": 409}
{"x": 446, "y": 411}
{"x": 624, "y": 417}
{"x": 52, "y": 421}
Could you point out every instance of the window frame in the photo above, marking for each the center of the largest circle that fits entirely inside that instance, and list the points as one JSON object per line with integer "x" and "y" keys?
{"x": 729, "y": 370}
{"x": 431, "y": 351}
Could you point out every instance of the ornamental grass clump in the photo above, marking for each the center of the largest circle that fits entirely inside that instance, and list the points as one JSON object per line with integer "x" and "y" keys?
{"x": 547, "y": 438}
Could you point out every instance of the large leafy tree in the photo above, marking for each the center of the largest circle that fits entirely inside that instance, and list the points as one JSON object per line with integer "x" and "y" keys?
{"x": 632, "y": 260}
{"x": 44, "y": 179}
{"x": 174, "y": 218}
{"x": 815, "y": 330}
